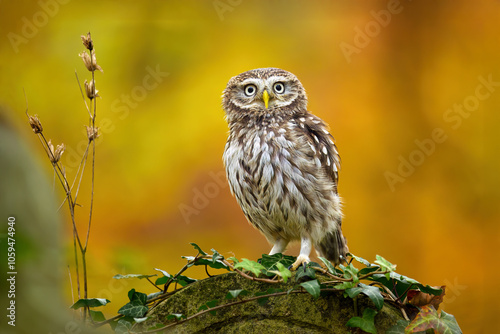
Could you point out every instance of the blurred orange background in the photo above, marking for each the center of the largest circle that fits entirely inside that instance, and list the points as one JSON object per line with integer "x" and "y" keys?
{"x": 411, "y": 90}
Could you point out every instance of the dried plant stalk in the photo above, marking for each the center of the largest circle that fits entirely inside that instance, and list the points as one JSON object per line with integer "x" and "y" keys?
{"x": 54, "y": 155}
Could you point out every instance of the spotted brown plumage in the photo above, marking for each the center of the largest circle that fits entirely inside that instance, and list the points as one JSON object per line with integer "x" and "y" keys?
{"x": 282, "y": 164}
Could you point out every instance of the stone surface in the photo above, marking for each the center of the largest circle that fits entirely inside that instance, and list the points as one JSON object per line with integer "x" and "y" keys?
{"x": 294, "y": 313}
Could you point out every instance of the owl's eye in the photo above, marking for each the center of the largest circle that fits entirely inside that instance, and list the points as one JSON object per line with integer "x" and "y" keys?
{"x": 250, "y": 90}
{"x": 279, "y": 88}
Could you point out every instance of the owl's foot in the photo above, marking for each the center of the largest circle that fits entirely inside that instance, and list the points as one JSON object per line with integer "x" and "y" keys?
{"x": 301, "y": 260}
{"x": 305, "y": 250}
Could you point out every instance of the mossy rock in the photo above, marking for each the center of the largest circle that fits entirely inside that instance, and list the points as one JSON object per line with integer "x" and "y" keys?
{"x": 293, "y": 313}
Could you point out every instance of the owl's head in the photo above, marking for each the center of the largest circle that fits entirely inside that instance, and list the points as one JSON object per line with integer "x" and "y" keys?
{"x": 264, "y": 91}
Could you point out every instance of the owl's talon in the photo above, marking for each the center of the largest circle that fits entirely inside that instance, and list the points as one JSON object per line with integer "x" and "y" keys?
{"x": 301, "y": 260}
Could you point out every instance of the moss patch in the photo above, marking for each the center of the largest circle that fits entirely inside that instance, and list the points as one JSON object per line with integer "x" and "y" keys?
{"x": 293, "y": 313}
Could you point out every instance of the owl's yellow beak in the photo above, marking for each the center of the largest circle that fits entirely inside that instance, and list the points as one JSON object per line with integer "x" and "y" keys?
{"x": 265, "y": 98}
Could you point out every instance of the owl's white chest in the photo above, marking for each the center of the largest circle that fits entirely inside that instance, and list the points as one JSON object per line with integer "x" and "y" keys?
{"x": 255, "y": 158}
{"x": 264, "y": 181}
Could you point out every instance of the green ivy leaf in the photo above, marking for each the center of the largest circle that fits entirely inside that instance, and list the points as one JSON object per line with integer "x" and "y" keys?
{"x": 313, "y": 264}
{"x": 308, "y": 274}
{"x": 204, "y": 262}
{"x": 385, "y": 265}
{"x": 312, "y": 287}
{"x": 400, "y": 284}
{"x": 270, "y": 262}
{"x": 139, "y": 276}
{"x": 189, "y": 258}
{"x": 184, "y": 280}
{"x": 282, "y": 271}
{"x": 235, "y": 293}
{"x": 209, "y": 305}
{"x": 374, "y": 294}
{"x": 368, "y": 270}
{"x": 353, "y": 292}
{"x": 449, "y": 323}
{"x": 345, "y": 286}
{"x": 180, "y": 279}
{"x": 97, "y": 316}
{"x": 134, "y": 309}
{"x": 123, "y": 326}
{"x": 371, "y": 291}
{"x": 218, "y": 264}
{"x": 330, "y": 267}
{"x": 235, "y": 260}
{"x": 252, "y": 266}
{"x": 163, "y": 272}
{"x": 162, "y": 280}
{"x": 137, "y": 296}
{"x": 216, "y": 256}
{"x": 361, "y": 260}
{"x": 89, "y": 302}
{"x": 197, "y": 248}
{"x": 350, "y": 271}
{"x": 365, "y": 323}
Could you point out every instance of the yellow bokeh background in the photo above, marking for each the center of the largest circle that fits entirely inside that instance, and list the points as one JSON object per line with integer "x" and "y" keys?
{"x": 385, "y": 75}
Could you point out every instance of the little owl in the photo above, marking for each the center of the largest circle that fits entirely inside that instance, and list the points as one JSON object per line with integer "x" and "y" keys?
{"x": 282, "y": 164}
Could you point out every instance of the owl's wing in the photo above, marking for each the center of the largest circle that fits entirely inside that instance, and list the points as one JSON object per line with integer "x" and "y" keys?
{"x": 322, "y": 144}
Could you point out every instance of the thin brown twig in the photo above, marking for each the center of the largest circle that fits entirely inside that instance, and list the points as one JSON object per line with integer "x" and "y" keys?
{"x": 326, "y": 272}
{"x": 156, "y": 286}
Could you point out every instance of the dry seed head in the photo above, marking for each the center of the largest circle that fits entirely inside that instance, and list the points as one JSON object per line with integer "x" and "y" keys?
{"x": 35, "y": 124}
{"x": 90, "y": 64}
{"x": 89, "y": 89}
{"x": 92, "y": 133}
{"x": 55, "y": 155}
{"x": 59, "y": 151}
{"x": 87, "y": 42}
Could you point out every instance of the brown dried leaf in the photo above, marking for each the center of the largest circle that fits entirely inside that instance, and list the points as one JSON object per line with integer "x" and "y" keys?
{"x": 419, "y": 298}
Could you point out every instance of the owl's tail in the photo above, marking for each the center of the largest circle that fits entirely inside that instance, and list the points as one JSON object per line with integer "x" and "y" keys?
{"x": 333, "y": 246}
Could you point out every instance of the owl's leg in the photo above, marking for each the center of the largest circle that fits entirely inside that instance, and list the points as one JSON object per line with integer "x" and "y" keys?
{"x": 305, "y": 250}
{"x": 279, "y": 246}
